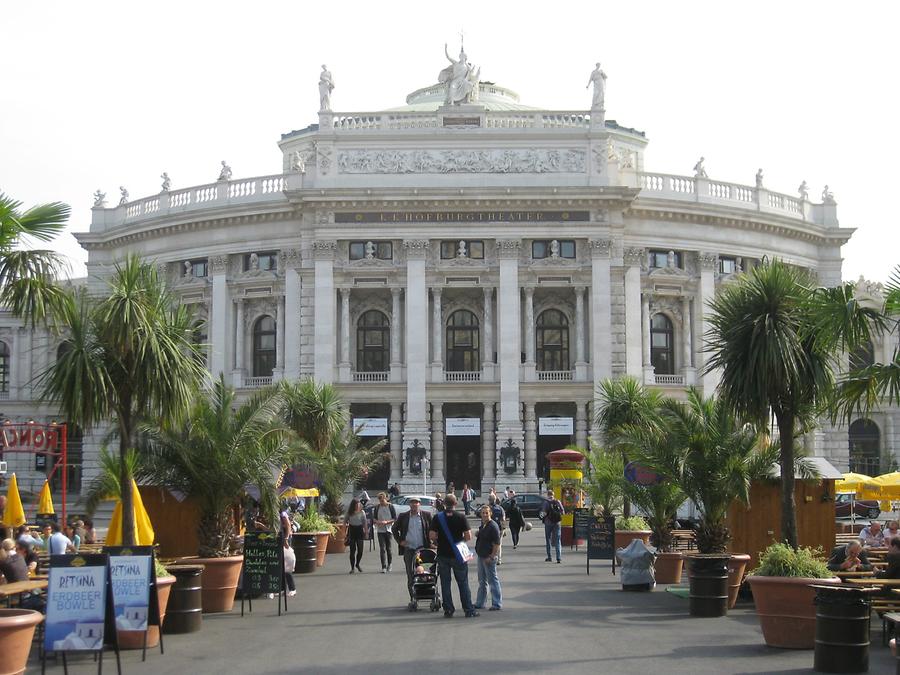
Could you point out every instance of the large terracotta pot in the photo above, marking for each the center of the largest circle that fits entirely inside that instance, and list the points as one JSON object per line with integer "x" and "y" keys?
{"x": 16, "y": 633}
{"x": 787, "y": 613}
{"x": 625, "y": 537}
{"x": 134, "y": 639}
{"x": 668, "y": 567}
{"x": 321, "y": 547}
{"x": 737, "y": 565}
{"x": 219, "y": 581}
{"x": 336, "y": 540}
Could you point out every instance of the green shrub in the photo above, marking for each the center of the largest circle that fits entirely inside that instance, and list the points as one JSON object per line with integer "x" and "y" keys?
{"x": 312, "y": 521}
{"x": 631, "y": 523}
{"x": 161, "y": 570}
{"x": 780, "y": 560}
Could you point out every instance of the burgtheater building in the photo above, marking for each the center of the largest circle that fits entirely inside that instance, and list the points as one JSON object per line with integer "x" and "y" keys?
{"x": 466, "y": 269}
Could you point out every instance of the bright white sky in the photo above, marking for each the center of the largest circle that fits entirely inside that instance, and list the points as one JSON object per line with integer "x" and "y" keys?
{"x": 102, "y": 94}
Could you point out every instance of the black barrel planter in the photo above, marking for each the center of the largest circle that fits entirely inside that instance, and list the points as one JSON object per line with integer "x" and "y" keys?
{"x": 185, "y": 611}
{"x": 842, "y": 629}
{"x": 305, "y": 550}
{"x": 709, "y": 584}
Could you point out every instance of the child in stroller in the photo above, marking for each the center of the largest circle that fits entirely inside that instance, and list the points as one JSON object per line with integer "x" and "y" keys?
{"x": 425, "y": 580}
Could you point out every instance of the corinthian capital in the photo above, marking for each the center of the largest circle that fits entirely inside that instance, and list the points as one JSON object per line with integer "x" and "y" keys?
{"x": 416, "y": 249}
{"x": 634, "y": 256}
{"x": 600, "y": 248}
{"x": 218, "y": 264}
{"x": 708, "y": 261}
{"x": 323, "y": 249}
{"x": 508, "y": 248}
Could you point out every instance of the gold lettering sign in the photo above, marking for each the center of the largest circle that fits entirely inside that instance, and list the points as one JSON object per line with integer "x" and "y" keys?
{"x": 496, "y": 216}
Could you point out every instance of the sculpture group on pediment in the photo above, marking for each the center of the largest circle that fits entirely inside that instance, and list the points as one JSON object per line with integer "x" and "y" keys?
{"x": 460, "y": 78}
{"x": 871, "y": 288}
{"x": 99, "y": 199}
{"x": 462, "y": 161}
{"x": 699, "y": 169}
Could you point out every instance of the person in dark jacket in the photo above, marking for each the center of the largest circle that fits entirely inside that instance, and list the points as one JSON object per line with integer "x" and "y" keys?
{"x": 515, "y": 518}
{"x": 892, "y": 571}
{"x": 849, "y": 558}
{"x": 12, "y": 565}
{"x": 410, "y": 539}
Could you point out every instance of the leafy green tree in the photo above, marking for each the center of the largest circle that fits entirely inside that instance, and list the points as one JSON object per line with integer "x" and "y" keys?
{"x": 106, "y": 484}
{"x": 603, "y": 477}
{"x": 216, "y": 454}
{"x": 131, "y": 357}
{"x": 777, "y": 340}
{"x": 27, "y": 285}
{"x": 660, "y": 503}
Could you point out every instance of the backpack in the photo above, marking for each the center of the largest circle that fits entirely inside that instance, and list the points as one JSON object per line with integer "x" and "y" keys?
{"x": 497, "y": 515}
{"x": 554, "y": 512}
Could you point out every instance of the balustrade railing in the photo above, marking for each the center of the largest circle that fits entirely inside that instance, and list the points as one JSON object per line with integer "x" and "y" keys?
{"x": 462, "y": 376}
{"x": 672, "y": 380}
{"x": 257, "y": 382}
{"x": 554, "y": 375}
{"x": 377, "y": 376}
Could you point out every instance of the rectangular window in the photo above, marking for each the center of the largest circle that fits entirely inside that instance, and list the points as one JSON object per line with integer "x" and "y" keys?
{"x": 266, "y": 261}
{"x": 357, "y": 250}
{"x": 540, "y": 249}
{"x": 553, "y": 248}
{"x": 727, "y": 265}
{"x": 383, "y": 250}
{"x": 660, "y": 259}
{"x": 476, "y": 250}
{"x": 567, "y": 249}
{"x": 199, "y": 268}
{"x": 451, "y": 249}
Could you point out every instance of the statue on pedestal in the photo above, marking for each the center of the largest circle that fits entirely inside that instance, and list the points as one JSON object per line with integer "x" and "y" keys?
{"x": 461, "y": 79}
{"x": 124, "y": 198}
{"x": 598, "y": 79}
{"x": 188, "y": 269}
{"x": 827, "y": 196}
{"x": 804, "y": 191}
{"x": 225, "y": 173}
{"x": 699, "y": 169}
{"x": 166, "y": 181}
{"x": 326, "y": 86}
{"x": 461, "y": 250}
{"x": 370, "y": 250}
{"x": 99, "y": 199}
{"x": 759, "y": 179}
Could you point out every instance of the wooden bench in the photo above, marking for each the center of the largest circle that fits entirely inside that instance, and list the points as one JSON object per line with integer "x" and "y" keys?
{"x": 684, "y": 540}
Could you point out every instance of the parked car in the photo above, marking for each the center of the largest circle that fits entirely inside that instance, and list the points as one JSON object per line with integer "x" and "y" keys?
{"x": 864, "y": 508}
{"x": 401, "y": 504}
{"x": 530, "y": 504}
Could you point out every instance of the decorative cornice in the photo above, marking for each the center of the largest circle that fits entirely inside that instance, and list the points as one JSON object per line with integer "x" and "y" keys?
{"x": 508, "y": 248}
{"x": 600, "y": 248}
{"x": 323, "y": 249}
{"x": 416, "y": 249}
{"x": 218, "y": 264}
{"x": 708, "y": 261}
{"x": 634, "y": 256}
{"x": 289, "y": 258}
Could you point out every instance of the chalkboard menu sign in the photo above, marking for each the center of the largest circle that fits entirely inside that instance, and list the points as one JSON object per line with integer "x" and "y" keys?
{"x": 263, "y": 570}
{"x": 601, "y": 541}
{"x": 581, "y": 520}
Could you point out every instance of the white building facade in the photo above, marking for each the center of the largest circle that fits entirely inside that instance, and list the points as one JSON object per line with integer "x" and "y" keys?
{"x": 466, "y": 274}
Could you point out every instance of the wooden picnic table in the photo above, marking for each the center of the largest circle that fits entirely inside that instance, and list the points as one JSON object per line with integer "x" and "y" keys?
{"x": 7, "y": 591}
{"x": 872, "y": 581}
{"x": 849, "y": 576}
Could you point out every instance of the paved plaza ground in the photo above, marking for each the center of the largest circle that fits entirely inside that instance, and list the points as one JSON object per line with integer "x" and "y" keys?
{"x": 556, "y": 619}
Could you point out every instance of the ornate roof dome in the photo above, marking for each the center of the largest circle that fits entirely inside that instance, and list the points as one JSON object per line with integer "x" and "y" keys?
{"x": 490, "y": 95}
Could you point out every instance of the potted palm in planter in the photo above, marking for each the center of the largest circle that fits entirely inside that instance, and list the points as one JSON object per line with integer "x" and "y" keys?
{"x": 314, "y": 524}
{"x": 660, "y": 502}
{"x": 603, "y": 478}
{"x": 218, "y": 453}
{"x": 784, "y": 597}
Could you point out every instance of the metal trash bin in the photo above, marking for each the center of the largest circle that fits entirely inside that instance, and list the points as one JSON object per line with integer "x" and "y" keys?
{"x": 842, "y": 629}
{"x": 305, "y": 551}
{"x": 709, "y": 584}
{"x": 184, "y": 614}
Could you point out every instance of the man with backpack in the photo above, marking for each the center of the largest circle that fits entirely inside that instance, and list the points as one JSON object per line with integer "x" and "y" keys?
{"x": 551, "y": 513}
{"x": 498, "y": 515}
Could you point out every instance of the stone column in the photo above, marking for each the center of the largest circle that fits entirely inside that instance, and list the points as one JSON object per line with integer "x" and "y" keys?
{"x": 345, "y": 365}
{"x": 437, "y": 443}
{"x": 487, "y": 361}
{"x": 416, "y": 427}
{"x": 508, "y": 338}
{"x": 580, "y": 424}
{"x": 396, "y": 364}
{"x": 279, "y": 338}
{"x": 530, "y": 443}
{"x": 633, "y": 258}
{"x": 218, "y": 329}
{"x": 645, "y": 339}
{"x": 27, "y": 340}
{"x": 580, "y": 363}
{"x": 437, "y": 356}
{"x": 709, "y": 262}
{"x": 323, "y": 312}
{"x": 601, "y": 312}
{"x": 396, "y": 436}
{"x": 239, "y": 332}
{"x": 290, "y": 265}
{"x": 690, "y": 373}
{"x": 489, "y": 452}
{"x": 529, "y": 326}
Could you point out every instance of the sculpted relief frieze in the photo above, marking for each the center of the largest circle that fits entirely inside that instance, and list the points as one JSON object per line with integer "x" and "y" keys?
{"x": 462, "y": 161}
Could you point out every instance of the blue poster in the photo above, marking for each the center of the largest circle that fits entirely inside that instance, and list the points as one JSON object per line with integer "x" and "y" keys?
{"x": 76, "y": 603}
{"x": 130, "y": 577}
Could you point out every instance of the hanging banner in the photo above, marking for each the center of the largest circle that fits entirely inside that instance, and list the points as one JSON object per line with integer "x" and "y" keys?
{"x": 463, "y": 426}
{"x": 370, "y": 426}
{"x": 556, "y": 426}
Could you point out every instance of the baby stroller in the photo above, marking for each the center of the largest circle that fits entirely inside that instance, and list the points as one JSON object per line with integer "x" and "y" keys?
{"x": 424, "y": 585}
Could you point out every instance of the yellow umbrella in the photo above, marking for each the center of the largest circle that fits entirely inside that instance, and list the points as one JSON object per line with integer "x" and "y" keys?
{"x": 300, "y": 492}
{"x": 851, "y": 482}
{"x": 45, "y": 502}
{"x": 13, "y": 514}
{"x": 143, "y": 528}
{"x": 883, "y": 487}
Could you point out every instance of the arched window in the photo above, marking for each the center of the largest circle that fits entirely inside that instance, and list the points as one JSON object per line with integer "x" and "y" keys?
{"x": 863, "y": 356}
{"x": 662, "y": 352}
{"x": 373, "y": 341}
{"x": 552, "y": 336}
{"x": 865, "y": 453}
{"x": 264, "y": 347}
{"x": 462, "y": 342}
{"x": 4, "y": 367}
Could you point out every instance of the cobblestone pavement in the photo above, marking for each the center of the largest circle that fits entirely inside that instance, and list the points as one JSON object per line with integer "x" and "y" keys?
{"x": 555, "y": 619}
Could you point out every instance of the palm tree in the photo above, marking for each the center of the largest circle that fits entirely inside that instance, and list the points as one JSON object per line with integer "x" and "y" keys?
{"x": 27, "y": 285}
{"x": 777, "y": 340}
{"x": 625, "y": 402}
{"x": 603, "y": 477}
{"x": 131, "y": 357}
{"x": 707, "y": 451}
{"x": 216, "y": 454}
{"x": 106, "y": 484}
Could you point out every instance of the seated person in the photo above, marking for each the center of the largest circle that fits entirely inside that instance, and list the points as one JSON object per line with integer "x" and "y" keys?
{"x": 24, "y": 535}
{"x": 892, "y": 530}
{"x": 892, "y": 571}
{"x": 12, "y": 565}
{"x": 29, "y": 556}
{"x": 872, "y": 536}
{"x": 849, "y": 558}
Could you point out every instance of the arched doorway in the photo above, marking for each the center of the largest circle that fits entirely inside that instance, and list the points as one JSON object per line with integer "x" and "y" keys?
{"x": 865, "y": 447}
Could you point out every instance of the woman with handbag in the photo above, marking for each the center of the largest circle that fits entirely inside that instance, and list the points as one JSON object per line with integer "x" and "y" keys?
{"x": 357, "y": 526}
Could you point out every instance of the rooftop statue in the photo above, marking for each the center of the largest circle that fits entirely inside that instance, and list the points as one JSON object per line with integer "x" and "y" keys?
{"x": 225, "y": 173}
{"x": 99, "y": 199}
{"x": 598, "y": 79}
{"x": 461, "y": 79}
{"x": 699, "y": 169}
{"x": 759, "y": 179}
{"x": 326, "y": 86}
{"x": 804, "y": 191}
{"x": 124, "y": 197}
{"x": 827, "y": 196}
{"x": 166, "y": 181}
{"x": 298, "y": 164}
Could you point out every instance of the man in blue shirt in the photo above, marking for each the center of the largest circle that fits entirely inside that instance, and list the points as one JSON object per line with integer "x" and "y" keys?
{"x": 449, "y": 529}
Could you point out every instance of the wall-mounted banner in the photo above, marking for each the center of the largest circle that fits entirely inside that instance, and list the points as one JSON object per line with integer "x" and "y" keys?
{"x": 463, "y": 426}
{"x": 370, "y": 426}
{"x": 555, "y": 426}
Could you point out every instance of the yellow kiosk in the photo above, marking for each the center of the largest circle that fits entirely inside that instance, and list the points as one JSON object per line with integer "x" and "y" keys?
{"x": 566, "y": 475}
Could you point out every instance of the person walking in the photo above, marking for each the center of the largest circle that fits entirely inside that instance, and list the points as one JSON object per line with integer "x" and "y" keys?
{"x": 516, "y": 519}
{"x": 551, "y": 514}
{"x": 468, "y": 495}
{"x": 498, "y": 515}
{"x": 451, "y": 488}
{"x": 438, "y": 502}
{"x": 357, "y": 524}
{"x": 487, "y": 548}
{"x": 411, "y": 532}
{"x": 448, "y": 530}
{"x": 384, "y": 516}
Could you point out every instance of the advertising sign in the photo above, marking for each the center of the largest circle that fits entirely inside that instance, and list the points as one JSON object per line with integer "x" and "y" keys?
{"x": 556, "y": 426}
{"x": 130, "y": 571}
{"x": 76, "y": 603}
{"x": 463, "y": 426}
{"x": 641, "y": 475}
{"x": 601, "y": 541}
{"x": 263, "y": 563}
{"x": 370, "y": 426}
